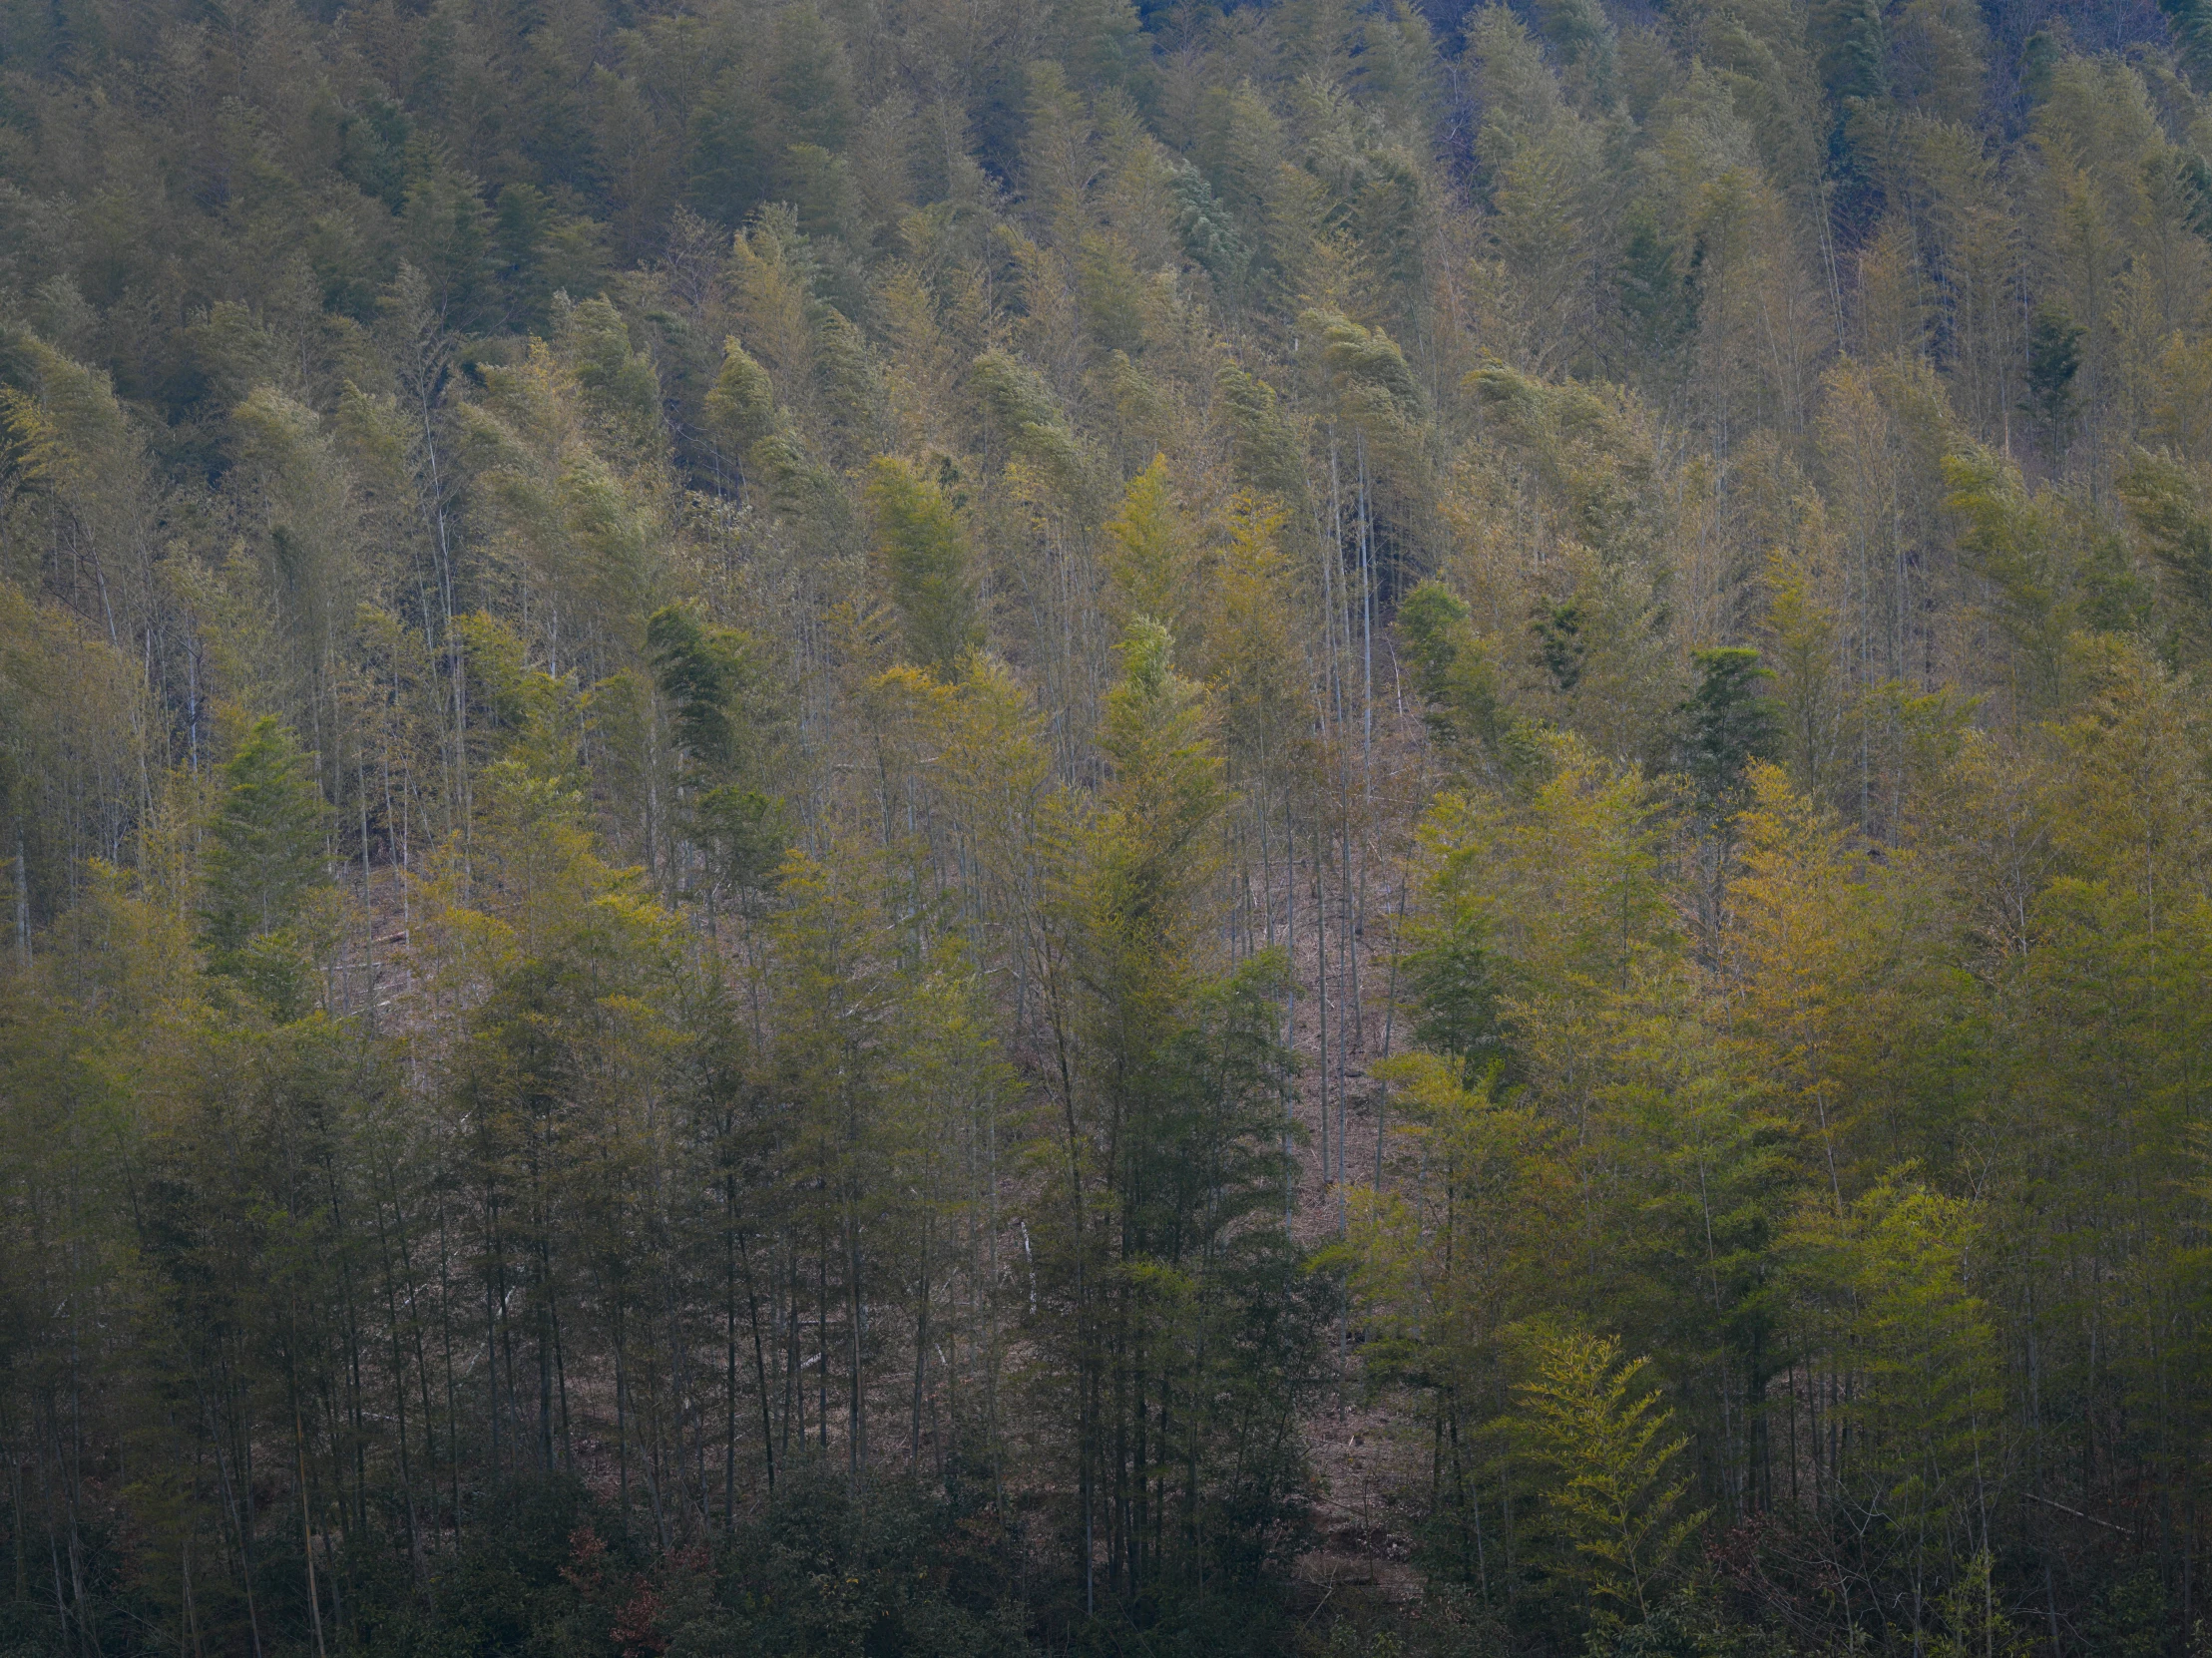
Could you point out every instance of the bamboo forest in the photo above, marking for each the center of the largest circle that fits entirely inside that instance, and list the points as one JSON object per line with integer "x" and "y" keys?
{"x": 1344, "y": 828}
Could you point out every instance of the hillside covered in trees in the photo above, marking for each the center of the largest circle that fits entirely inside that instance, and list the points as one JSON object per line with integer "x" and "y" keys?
{"x": 1019, "y": 826}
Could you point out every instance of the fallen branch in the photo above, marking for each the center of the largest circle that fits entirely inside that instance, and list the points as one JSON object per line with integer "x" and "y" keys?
{"x": 2077, "y": 1513}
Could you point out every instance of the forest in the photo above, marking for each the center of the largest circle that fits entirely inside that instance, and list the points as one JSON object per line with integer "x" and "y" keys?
{"x": 997, "y": 827}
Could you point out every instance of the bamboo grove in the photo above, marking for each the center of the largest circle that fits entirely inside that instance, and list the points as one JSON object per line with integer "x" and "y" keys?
{"x": 968, "y": 826}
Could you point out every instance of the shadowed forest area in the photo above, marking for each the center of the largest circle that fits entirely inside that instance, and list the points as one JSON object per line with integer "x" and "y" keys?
{"x": 966, "y": 827}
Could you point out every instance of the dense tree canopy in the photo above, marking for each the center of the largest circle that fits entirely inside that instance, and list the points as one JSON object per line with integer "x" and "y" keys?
{"x": 979, "y": 826}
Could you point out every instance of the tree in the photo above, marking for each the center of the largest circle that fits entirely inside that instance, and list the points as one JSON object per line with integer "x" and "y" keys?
{"x": 2053, "y": 359}
{"x": 1728, "y": 725}
{"x": 1152, "y": 560}
{"x": 1895, "y": 1275}
{"x": 697, "y": 896}
{"x": 1611, "y": 1494}
{"x": 1538, "y": 908}
{"x": 715, "y": 682}
{"x": 924, "y": 558}
{"x": 1180, "y": 1323}
{"x": 1456, "y": 680}
{"x": 266, "y": 855}
{"x": 2164, "y": 501}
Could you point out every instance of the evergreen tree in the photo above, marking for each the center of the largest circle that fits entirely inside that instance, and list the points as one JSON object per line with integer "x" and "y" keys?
{"x": 266, "y": 853}
{"x": 1729, "y": 726}
{"x": 924, "y": 560}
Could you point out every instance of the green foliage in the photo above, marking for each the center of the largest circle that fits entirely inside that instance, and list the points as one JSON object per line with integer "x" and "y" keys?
{"x": 1166, "y": 789}
{"x": 910, "y": 829}
{"x": 2165, "y": 504}
{"x": 2053, "y": 359}
{"x": 266, "y": 855}
{"x": 714, "y": 681}
{"x": 1150, "y": 561}
{"x": 1267, "y": 444}
{"x": 2050, "y": 568}
{"x": 924, "y": 555}
{"x": 1604, "y": 1443}
{"x": 1456, "y": 681}
{"x": 1729, "y": 724}
{"x": 742, "y": 406}
{"x": 1896, "y": 1268}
